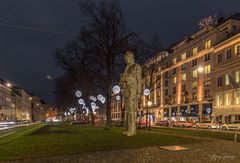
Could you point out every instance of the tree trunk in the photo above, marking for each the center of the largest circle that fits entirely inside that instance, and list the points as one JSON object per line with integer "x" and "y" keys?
{"x": 108, "y": 111}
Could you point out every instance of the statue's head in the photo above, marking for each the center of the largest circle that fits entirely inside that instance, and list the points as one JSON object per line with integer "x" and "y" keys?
{"x": 129, "y": 58}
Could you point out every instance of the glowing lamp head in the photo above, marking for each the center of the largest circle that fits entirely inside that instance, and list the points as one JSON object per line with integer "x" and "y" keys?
{"x": 116, "y": 89}
{"x": 146, "y": 92}
{"x": 200, "y": 69}
{"x": 118, "y": 97}
{"x": 149, "y": 103}
{"x": 9, "y": 85}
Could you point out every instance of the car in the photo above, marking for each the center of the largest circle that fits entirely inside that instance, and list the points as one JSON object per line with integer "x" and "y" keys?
{"x": 162, "y": 123}
{"x": 231, "y": 126}
{"x": 181, "y": 124}
{"x": 207, "y": 124}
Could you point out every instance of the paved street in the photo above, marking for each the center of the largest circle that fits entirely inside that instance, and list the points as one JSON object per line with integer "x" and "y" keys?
{"x": 210, "y": 150}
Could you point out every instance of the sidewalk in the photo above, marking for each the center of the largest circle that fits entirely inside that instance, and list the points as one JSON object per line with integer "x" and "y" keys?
{"x": 206, "y": 151}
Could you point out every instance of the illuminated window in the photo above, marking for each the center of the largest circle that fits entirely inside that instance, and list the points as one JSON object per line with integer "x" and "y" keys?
{"x": 237, "y": 76}
{"x": 207, "y": 69}
{"x": 207, "y": 44}
{"x": 194, "y": 73}
{"x": 184, "y": 77}
{"x": 194, "y": 85}
{"x": 227, "y": 79}
{"x": 237, "y": 97}
{"x": 226, "y": 98}
{"x": 194, "y": 50}
{"x": 174, "y": 80}
{"x": 217, "y": 97}
{"x": 174, "y": 61}
{"x": 237, "y": 49}
{"x": 184, "y": 56}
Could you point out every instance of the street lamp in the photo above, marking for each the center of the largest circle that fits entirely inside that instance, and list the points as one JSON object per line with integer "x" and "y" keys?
{"x": 148, "y": 117}
{"x": 116, "y": 89}
{"x": 118, "y": 97}
{"x": 9, "y": 85}
{"x": 149, "y": 103}
{"x": 200, "y": 69}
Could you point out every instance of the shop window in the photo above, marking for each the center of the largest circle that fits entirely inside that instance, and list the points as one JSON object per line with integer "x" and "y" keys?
{"x": 237, "y": 97}
{"x": 237, "y": 76}
{"x": 227, "y": 79}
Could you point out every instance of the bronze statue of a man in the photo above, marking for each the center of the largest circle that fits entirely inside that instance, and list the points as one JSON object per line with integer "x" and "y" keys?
{"x": 130, "y": 81}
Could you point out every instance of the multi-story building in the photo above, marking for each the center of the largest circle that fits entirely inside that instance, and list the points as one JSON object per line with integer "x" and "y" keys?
{"x": 23, "y": 104}
{"x": 198, "y": 77}
{"x": 39, "y": 108}
{"x": 7, "y": 111}
{"x": 117, "y": 111}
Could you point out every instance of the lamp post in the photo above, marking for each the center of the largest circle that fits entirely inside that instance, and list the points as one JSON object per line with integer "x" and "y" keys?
{"x": 146, "y": 92}
{"x": 149, "y": 122}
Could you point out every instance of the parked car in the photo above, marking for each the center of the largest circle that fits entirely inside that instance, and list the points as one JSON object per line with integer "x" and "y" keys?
{"x": 181, "y": 124}
{"x": 142, "y": 123}
{"x": 207, "y": 124}
{"x": 162, "y": 123}
{"x": 231, "y": 126}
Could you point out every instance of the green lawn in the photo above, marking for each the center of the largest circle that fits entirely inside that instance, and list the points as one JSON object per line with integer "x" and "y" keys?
{"x": 36, "y": 141}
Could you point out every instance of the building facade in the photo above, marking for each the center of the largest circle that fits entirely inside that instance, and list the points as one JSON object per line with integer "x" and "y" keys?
{"x": 197, "y": 79}
{"x": 7, "y": 108}
{"x": 23, "y": 104}
{"x": 38, "y": 108}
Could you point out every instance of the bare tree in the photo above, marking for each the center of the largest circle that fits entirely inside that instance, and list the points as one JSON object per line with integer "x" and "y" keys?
{"x": 109, "y": 38}
{"x": 94, "y": 58}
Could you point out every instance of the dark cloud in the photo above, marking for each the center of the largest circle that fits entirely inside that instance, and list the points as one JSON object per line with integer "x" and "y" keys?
{"x": 26, "y": 56}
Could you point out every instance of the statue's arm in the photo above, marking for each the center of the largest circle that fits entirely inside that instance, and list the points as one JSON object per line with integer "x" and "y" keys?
{"x": 139, "y": 80}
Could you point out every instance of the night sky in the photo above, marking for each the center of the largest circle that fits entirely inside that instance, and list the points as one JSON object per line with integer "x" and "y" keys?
{"x": 26, "y": 56}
